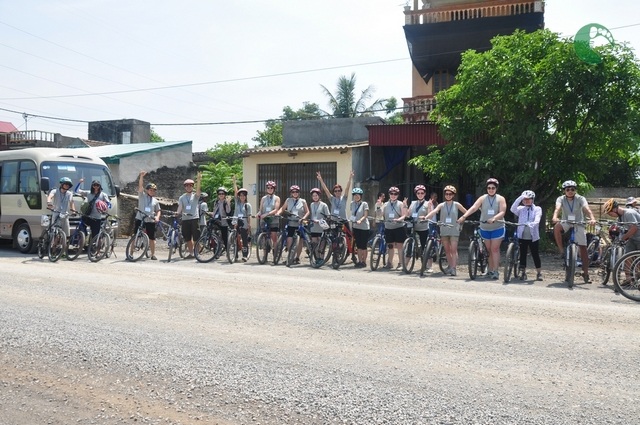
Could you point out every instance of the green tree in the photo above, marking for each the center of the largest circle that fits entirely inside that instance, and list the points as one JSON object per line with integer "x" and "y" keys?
{"x": 272, "y": 134}
{"x": 226, "y": 161}
{"x": 532, "y": 114}
{"x": 155, "y": 137}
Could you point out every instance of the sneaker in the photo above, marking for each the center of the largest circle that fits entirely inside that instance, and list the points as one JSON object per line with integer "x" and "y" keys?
{"x": 495, "y": 275}
{"x": 539, "y": 276}
{"x": 429, "y": 270}
{"x": 296, "y": 261}
{"x": 523, "y": 275}
{"x": 453, "y": 272}
{"x": 153, "y": 257}
{"x": 387, "y": 266}
{"x": 358, "y": 266}
{"x": 585, "y": 277}
{"x": 244, "y": 259}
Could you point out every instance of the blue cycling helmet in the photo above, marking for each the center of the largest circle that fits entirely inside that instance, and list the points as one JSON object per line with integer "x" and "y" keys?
{"x": 357, "y": 191}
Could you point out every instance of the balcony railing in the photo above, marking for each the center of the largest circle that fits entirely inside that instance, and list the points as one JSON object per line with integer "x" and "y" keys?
{"x": 28, "y": 136}
{"x": 426, "y": 15}
{"x": 417, "y": 109}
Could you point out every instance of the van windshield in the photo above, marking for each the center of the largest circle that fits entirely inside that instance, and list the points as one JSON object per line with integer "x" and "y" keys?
{"x": 76, "y": 171}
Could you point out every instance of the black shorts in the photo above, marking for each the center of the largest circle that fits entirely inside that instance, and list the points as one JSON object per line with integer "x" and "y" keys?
{"x": 362, "y": 237}
{"x": 150, "y": 228}
{"x": 395, "y": 235}
{"x": 190, "y": 230}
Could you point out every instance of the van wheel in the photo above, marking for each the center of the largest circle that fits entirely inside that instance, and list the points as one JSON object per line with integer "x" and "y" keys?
{"x": 24, "y": 239}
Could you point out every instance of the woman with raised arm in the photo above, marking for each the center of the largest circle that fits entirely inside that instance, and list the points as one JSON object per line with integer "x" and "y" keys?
{"x": 529, "y": 216}
{"x": 148, "y": 203}
{"x": 338, "y": 199}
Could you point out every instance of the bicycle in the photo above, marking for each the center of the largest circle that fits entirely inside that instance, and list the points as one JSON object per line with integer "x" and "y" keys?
{"x": 264, "y": 243}
{"x": 512, "y": 260}
{"x": 434, "y": 250}
{"x": 234, "y": 239}
{"x": 478, "y": 254}
{"x": 103, "y": 244}
{"x": 571, "y": 252}
{"x": 612, "y": 253}
{"x": 173, "y": 235}
{"x": 378, "y": 249}
{"x": 53, "y": 240}
{"x": 411, "y": 249}
{"x": 626, "y": 275}
{"x": 281, "y": 241}
{"x": 77, "y": 240}
{"x": 317, "y": 258}
{"x": 337, "y": 240}
{"x": 209, "y": 245}
{"x": 138, "y": 244}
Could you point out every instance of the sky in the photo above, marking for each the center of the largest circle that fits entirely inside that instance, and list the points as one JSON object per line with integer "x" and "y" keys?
{"x": 67, "y": 62}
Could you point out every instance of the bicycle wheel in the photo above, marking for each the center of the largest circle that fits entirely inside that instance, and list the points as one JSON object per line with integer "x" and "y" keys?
{"x": 443, "y": 263}
{"x": 99, "y": 247}
{"x": 473, "y": 259}
{"x": 76, "y": 244}
{"x": 376, "y": 252}
{"x": 262, "y": 248}
{"x": 324, "y": 251}
{"x": 408, "y": 256}
{"x": 604, "y": 267}
{"x": 57, "y": 244}
{"x": 137, "y": 246}
{"x": 571, "y": 265}
{"x": 232, "y": 246}
{"x": 183, "y": 247}
{"x": 339, "y": 251}
{"x": 291, "y": 256}
{"x": 43, "y": 245}
{"x": 626, "y": 275}
{"x": 427, "y": 254}
{"x": 172, "y": 237}
{"x": 206, "y": 248}
{"x": 592, "y": 251}
{"x": 277, "y": 250}
{"x": 510, "y": 262}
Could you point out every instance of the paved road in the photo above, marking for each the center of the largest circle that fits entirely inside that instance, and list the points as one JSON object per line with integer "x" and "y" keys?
{"x": 182, "y": 343}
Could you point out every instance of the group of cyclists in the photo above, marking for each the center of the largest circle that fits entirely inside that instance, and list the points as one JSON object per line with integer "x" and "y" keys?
{"x": 571, "y": 210}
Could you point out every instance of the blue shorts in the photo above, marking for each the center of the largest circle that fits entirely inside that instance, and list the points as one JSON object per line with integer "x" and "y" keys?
{"x": 488, "y": 235}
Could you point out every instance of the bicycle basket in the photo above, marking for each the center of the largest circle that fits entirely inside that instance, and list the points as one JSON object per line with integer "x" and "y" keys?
{"x": 45, "y": 220}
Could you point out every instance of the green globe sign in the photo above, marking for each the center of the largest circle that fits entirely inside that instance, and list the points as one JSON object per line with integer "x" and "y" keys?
{"x": 584, "y": 42}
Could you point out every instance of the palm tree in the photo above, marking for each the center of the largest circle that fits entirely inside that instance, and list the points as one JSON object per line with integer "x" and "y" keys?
{"x": 344, "y": 103}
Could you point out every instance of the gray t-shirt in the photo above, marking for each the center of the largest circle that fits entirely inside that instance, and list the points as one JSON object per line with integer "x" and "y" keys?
{"x": 419, "y": 209}
{"x": 243, "y": 211}
{"x": 357, "y": 212}
{"x": 449, "y": 215}
{"x": 319, "y": 211}
{"x": 149, "y": 205}
{"x": 572, "y": 210}
{"x": 95, "y": 214}
{"x": 295, "y": 207}
{"x": 189, "y": 204}
{"x": 488, "y": 209}
{"x": 390, "y": 211}
{"x": 339, "y": 206}
{"x": 632, "y": 216}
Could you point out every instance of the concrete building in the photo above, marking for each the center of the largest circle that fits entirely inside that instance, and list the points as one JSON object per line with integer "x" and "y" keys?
{"x": 120, "y": 132}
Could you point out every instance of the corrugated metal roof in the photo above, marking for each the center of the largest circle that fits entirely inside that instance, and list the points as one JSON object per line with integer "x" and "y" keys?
{"x": 417, "y": 134}
{"x": 112, "y": 153}
{"x": 324, "y": 148}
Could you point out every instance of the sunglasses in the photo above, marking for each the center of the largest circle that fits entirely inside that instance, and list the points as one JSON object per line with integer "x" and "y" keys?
{"x": 295, "y": 191}
{"x": 570, "y": 189}
{"x": 421, "y": 193}
{"x": 188, "y": 184}
{"x": 393, "y": 194}
{"x": 491, "y": 188}
{"x": 448, "y": 194}
{"x": 221, "y": 193}
{"x": 337, "y": 190}
{"x": 95, "y": 185}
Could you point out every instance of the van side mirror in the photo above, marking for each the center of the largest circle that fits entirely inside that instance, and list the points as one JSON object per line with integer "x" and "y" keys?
{"x": 44, "y": 184}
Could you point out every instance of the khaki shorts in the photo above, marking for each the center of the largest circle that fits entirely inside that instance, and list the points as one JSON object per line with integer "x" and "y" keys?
{"x": 450, "y": 239}
{"x": 580, "y": 233}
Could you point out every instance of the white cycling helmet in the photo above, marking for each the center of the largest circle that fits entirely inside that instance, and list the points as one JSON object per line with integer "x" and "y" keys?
{"x": 529, "y": 194}
{"x": 569, "y": 183}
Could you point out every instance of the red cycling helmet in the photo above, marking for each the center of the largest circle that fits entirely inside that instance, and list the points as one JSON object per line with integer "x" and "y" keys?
{"x": 294, "y": 187}
{"x": 271, "y": 183}
{"x": 101, "y": 206}
{"x": 492, "y": 181}
{"x": 419, "y": 187}
{"x": 315, "y": 190}
{"x": 394, "y": 189}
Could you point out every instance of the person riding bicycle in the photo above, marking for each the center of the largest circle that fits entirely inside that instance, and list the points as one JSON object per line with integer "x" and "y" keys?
{"x": 492, "y": 208}
{"x": 529, "y": 216}
{"x": 319, "y": 211}
{"x": 449, "y": 234}
{"x": 269, "y": 206}
{"x": 300, "y": 210}
{"x": 220, "y": 210}
{"x": 203, "y": 208}
{"x": 61, "y": 201}
{"x": 188, "y": 207}
{"x": 98, "y": 209}
{"x": 418, "y": 211}
{"x": 243, "y": 211}
{"x": 338, "y": 198}
{"x": 573, "y": 207}
{"x": 359, "y": 218}
{"x": 625, "y": 215}
{"x": 393, "y": 213}
{"x": 150, "y": 205}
